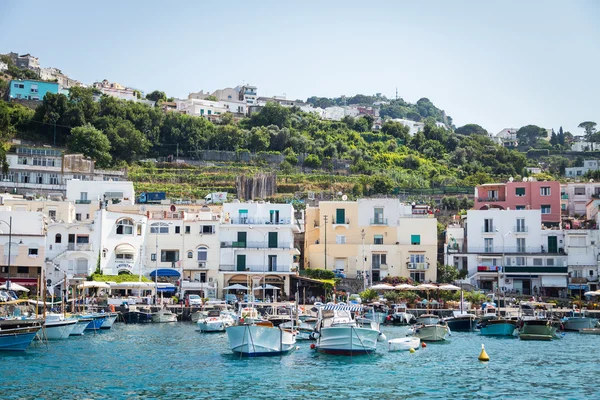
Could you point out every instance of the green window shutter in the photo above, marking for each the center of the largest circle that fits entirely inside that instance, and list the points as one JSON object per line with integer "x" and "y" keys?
{"x": 520, "y": 191}
{"x": 272, "y": 240}
{"x": 415, "y": 239}
{"x": 340, "y": 216}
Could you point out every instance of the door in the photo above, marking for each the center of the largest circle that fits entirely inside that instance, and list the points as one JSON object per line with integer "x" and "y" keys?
{"x": 272, "y": 263}
{"x": 241, "y": 239}
{"x": 272, "y": 240}
{"x": 274, "y": 217}
{"x": 71, "y": 245}
{"x": 340, "y": 264}
{"x": 340, "y": 216}
{"x": 241, "y": 262}
{"x": 552, "y": 244}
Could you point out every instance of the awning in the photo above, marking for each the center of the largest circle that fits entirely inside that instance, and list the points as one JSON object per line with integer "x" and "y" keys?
{"x": 578, "y": 287}
{"x": 21, "y": 281}
{"x": 164, "y": 272}
{"x": 125, "y": 248}
{"x": 166, "y": 289}
{"x": 554, "y": 281}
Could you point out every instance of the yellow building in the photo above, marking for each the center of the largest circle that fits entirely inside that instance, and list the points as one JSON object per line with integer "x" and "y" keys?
{"x": 372, "y": 237}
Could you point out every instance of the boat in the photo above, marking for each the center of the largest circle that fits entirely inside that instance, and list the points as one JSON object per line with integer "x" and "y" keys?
{"x": 304, "y": 330}
{"x": 137, "y": 315}
{"x": 429, "y": 329}
{"x": 590, "y": 331}
{"x": 80, "y": 326}
{"x": 338, "y": 333}
{"x": 261, "y": 338}
{"x": 537, "y": 322}
{"x": 461, "y": 322}
{"x": 498, "y": 327}
{"x": 404, "y": 344}
{"x": 215, "y": 321}
{"x": 577, "y": 321}
{"x": 57, "y": 326}
{"x": 109, "y": 320}
{"x": 96, "y": 321}
{"x": 377, "y": 312}
{"x": 164, "y": 315}
{"x": 18, "y": 338}
{"x": 401, "y": 316}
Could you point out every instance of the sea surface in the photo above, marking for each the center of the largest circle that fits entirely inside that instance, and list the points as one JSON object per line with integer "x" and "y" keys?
{"x": 154, "y": 361}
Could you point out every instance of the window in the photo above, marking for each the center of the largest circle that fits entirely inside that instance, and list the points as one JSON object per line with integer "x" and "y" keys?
{"x": 415, "y": 239}
{"x": 546, "y": 209}
{"x": 489, "y": 245}
{"x": 153, "y": 257}
{"x": 52, "y": 214}
{"x": 417, "y": 276}
{"x": 160, "y": 228}
{"x": 39, "y": 178}
{"x": 520, "y": 225}
{"x": 378, "y": 239}
{"x": 78, "y": 218}
{"x": 177, "y": 229}
{"x": 417, "y": 258}
{"x": 169, "y": 255}
{"x": 124, "y": 257}
{"x": 58, "y": 238}
{"x": 188, "y": 229}
{"x": 520, "y": 207}
{"x": 538, "y": 262}
{"x": 579, "y": 191}
{"x": 377, "y": 260}
{"x": 202, "y": 253}
{"x": 545, "y": 191}
{"x": 340, "y": 216}
{"x": 488, "y": 225}
{"x": 83, "y": 239}
{"x": 550, "y": 262}
{"x": 190, "y": 254}
{"x": 22, "y": 270}
{"x": 378, "y": 215}
{"x": 207, "y": 229}
{"x": 492, "y": 195}
{"x": 124, "y": 226}
{"x": 520, "y": 261}
{"x": 519, "y": 192}
{"x": 34, "y": 88}
{"x": 83, "y": 196}
{"x": 520, "y": 245}
{"x": 33, "y": 252}
{"x": 340, "y": 239}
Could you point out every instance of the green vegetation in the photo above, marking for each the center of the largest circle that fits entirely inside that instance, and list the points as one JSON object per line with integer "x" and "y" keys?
{"x": 118, "y": 278}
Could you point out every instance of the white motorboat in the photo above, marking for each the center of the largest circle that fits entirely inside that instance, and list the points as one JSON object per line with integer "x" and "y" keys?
{"x": 429, "y": 329}
{"x": 215, "y": 321}
{"x": 109, "y": 321}
{"x": 578, "y": 321}
{"x": 260, "y": 339}
{"x": 80, "y": 326}
{"x": 304, "y": 330}
{"x": 57, "y": 327}
{"x": 404, "y": 344}
{"x": 164, "y": 315}
{"x": 338, "y": 332}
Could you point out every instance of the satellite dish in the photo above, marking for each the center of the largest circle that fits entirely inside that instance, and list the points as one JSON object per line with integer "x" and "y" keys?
{"x": 339, "y": 193}
{"x": 511, "y": 179}
{"x": 591, "y": 180}
{"x": 524, "y": 179}
{"x": 344, "y": 197}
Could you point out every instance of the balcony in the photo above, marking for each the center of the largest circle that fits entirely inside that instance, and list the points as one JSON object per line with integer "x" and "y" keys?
{"x": 564, "y": 196}
{"x": 454, "y": 248}
{"x": 256, "y": 268}
{"x": 498, "y": 249}
{"x": 420, "y": 266}
{"x": 83, "y": 202}
{"x": 256, "y": 245}
{"x": 379, "y": 221}
{"x": 259, "y": 221}
{"x": 489, "y": 199}
{"x": 80, "y": 247}
{"x": 520, "y": 229}
{"x": 578, "y": 280}
{"x": 336, "y": 222}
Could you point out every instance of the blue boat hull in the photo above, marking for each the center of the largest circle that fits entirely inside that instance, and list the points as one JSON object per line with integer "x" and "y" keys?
{"x": 16, "y": 341}
{"x": 95, "y": 324}
{"x": 499, "y": 329}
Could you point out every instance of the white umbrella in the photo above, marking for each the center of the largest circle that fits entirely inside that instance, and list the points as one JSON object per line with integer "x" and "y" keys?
{"x": 16, "y": 287}
{"x": 269, "y": 287}
{"x": 382, "y": 286}
{"x": 425, "y": 286}
{"x": 93, "y": 284}
{"x": 237, "y": 286}
{"x": 404, "y": 286}
{"x": 596, "y": 293}
{"x": 448, "y": 287}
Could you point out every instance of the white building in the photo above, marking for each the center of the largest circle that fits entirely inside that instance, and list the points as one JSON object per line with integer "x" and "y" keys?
{"x": 576, "y": 196}
{"x": 584, "y": 146}
{"x": 257, "y": 244}
{"x": 87, "y": 196}
{"x": 581, "y": 245}
{"x": 588, "y": 165}
{"x": 413, "y": 126}
{"x": 210, "y": 110}
{"x": 507, "y": 137}
{"x": 336, "y": 113}
{"x": 63, "y": 80}
{"x": 510, "y": 246}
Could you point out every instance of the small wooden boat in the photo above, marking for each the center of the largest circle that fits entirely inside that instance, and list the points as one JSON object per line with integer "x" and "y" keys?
{"x": 404, "y": 344}
{"x": 590, "y": 331}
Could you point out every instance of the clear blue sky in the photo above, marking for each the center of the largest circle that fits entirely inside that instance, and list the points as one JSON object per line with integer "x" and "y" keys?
{"x": 499, "y": 64}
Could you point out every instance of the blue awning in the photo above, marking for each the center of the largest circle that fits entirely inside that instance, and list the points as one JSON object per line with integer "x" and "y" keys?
{"x": 578, "y": 287}
{"x": 164, "y": 272}
{"x": 166, "y": 289}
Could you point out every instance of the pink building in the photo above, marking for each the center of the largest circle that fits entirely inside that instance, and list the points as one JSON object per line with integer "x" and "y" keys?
{"x": 535, "y": 195}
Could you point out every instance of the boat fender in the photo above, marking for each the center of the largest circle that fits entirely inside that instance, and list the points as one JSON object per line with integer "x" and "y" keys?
{"x": 241, "y": 320}
{"x": 112, "y": 308}
{"x": 412, "y": 350}
{"x": 312, "y": 346}
{"x": 423, "y": 345}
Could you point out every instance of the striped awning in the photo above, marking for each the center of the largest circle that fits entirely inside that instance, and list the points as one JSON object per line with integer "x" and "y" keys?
{"x": 343, "y": 307}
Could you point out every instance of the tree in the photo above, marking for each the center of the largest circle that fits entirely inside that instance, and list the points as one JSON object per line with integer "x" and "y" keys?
{"x": 156, "y": 96}
{"x": 312, "y": 161}
{"x": 528, "y": 135}
{"x": 271, "y": 114}
{"x": 561, "y": 136}
{"x": 382, "y": 185}
{"x": 397, "y": 130}
{"x": 127, "y": 143}
{"x": 471, "y": 129}
{"x": 368, "y": 295}
{"x": 449, "y": 273}
{"x": 92, "y": 143}
{"x": 589, "y": 128}
{"x": 554, "y": 138}
{"x": 212, "y": 98}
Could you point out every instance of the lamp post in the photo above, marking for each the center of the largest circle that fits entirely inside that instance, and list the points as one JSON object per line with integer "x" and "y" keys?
{"x": 9, "y": 223}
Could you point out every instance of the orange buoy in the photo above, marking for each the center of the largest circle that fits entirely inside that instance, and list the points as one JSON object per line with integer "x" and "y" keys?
{"x": 423, "y": 345}
{"x": 312, "y": 346}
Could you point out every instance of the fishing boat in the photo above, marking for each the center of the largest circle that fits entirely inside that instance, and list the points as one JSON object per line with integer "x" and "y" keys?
{"x": 215, "y": 321}
{"x": 377, "y": 312}
{"x": 304, "y": 330}
{"x": 429, "y": 328}
{"x": 498, "y": 327}
{"x": 57, "y": 326}
{"x": 109, "y": 320}
{"x": 338, "y": 333}
{"x": 590, "y": 331}
{"x": 400, "y": 316}
{"x": 137, "y": 315}
{"x": 96, "y": 321}
{"x": 461, "y": 322}
{"x": 577, "y": 321}
{"x": 261, "y": 338}
{"x": 80, "y": 326}
{"x": 537, "y": 322}
{"x": 404, "y": 344}
{"x": 164, "y": 315}
{"x": 19, "y": 338}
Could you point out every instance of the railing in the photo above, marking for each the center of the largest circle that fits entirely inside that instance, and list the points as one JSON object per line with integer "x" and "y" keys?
{"x": 80, "y": 247}
{"x": 422, "y": 265}
{"x": 536, "y": 269}
{"x": 508, "y": 249}
{"x": 256, "y": 268}
{"x": 260, "y": 221}
{"x": 83, "y": 202}
{"x": 520, "y": 229}
{"x": 564, "y": 196}
{"x": 455, "y": 248}
{"x": 481, "y": 199}
{"x": 487, "y": 230}
{"x": 342, "y": 222}
{"x": 578, "y": 280}
{"x": 379, "y": 221}
{"x": 255, "y": 245}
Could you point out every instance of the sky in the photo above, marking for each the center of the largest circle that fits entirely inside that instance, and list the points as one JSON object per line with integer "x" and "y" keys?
{"x": 499, "y": 64}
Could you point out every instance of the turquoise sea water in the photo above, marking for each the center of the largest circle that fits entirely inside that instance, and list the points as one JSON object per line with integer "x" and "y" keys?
{"x": 175, "y": 361}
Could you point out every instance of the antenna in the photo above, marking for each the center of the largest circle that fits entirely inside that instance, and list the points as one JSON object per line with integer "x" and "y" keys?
{"x": 396, "y": 93}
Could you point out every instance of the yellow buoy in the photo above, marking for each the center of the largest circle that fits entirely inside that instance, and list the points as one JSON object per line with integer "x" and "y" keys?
{"x": 412, "y": 350}
{"x": 483, "y": 356}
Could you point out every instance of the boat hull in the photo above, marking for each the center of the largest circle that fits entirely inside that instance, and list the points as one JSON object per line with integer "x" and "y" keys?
{"x": 137, "y": 317}
{"x": 95, "y": 323}
{"x": 58, "y": 330}
{"x": 590, "y": 331}
{"x": 347, "y": 340}
{"x": 257, "y": 341}
{"x": 109, "y": 321}
{"x": 498, "y": 328}
{"x": 538, "y": 330}
{"x": 378, "y": 317}
{"x": 211, "y": 326}
{"x": 461, "y": 324}
{"x": 164, "y": 316}
{"x": 404, "y": 344}
{"x": 80, "y": 327}
{"x": 576, "y": 324}
{"x": 17, "y": 339}
{"x": 431, "y": 333}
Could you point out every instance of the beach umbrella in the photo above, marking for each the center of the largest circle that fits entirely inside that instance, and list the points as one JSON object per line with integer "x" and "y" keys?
{"x": 93, "y": 284}
{"x": 237, "y": 286}
{"x": 448, "y": 287}
{"x": 595, "y": 293}
{"x": 382, "y": 286}
{"x": 425, "y": 286}
{"x": 404, "y": 286}
{"x": 16, "y": 287}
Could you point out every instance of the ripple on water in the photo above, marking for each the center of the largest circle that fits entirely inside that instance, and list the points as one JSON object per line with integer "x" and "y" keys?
{"x": 174, "y": 360}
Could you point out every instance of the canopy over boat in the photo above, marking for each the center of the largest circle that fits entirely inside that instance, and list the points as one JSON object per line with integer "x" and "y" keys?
{"x": 344, "y": 307}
